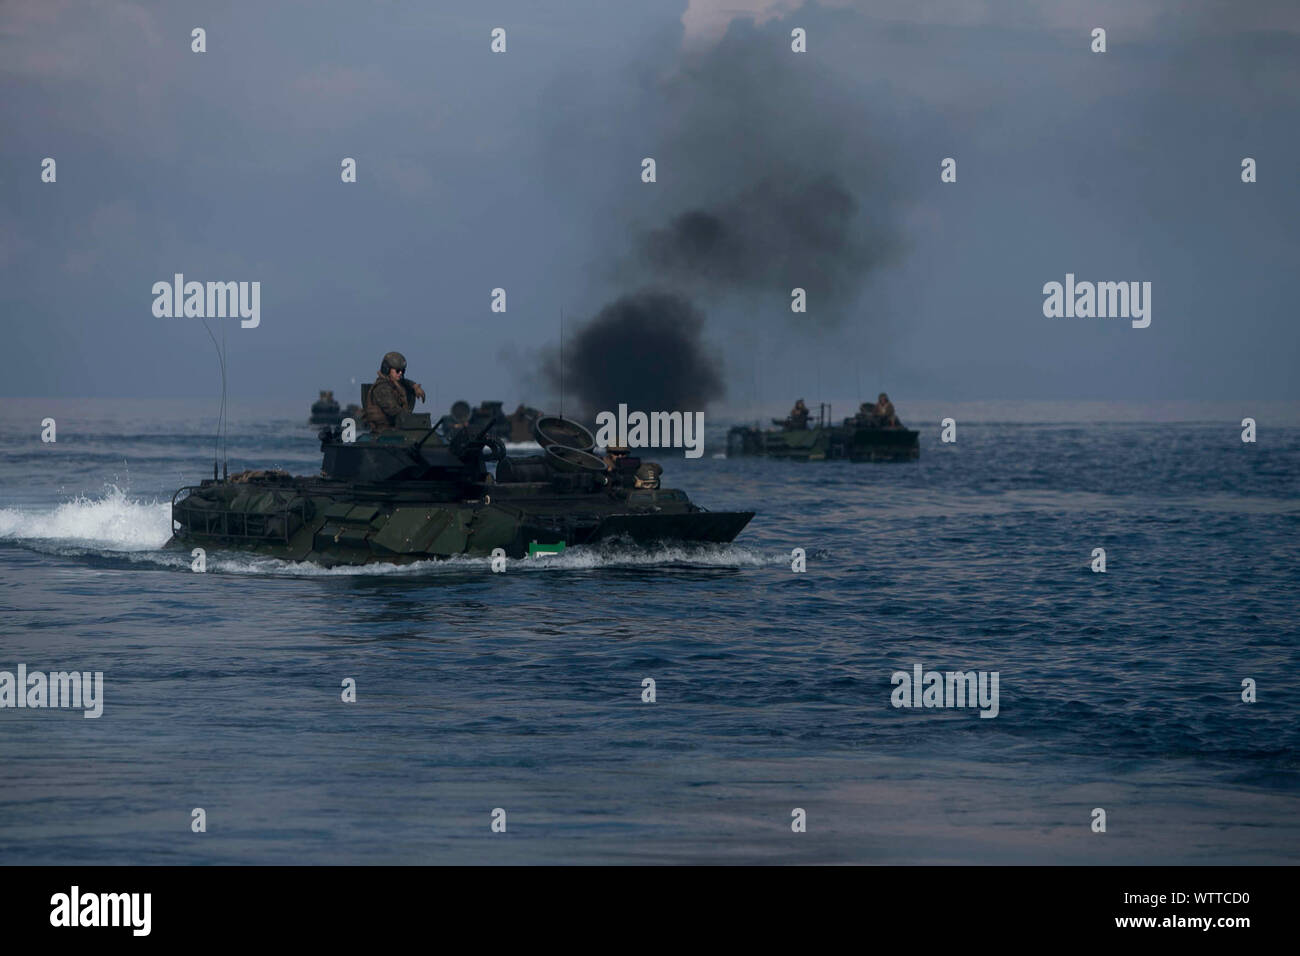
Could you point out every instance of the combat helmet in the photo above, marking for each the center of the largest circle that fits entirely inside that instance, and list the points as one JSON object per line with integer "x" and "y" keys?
{"x": 647, "y": 476}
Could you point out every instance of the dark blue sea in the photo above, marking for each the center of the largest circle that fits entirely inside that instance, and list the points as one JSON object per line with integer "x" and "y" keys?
{"x": 523, "y": 690}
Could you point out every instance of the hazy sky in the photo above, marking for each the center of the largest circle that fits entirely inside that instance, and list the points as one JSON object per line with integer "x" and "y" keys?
{"x": 522, "y": 170}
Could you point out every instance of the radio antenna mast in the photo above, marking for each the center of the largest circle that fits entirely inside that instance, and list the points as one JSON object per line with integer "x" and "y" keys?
{"x": 225, "y": 418}
{"x": 221, "y": 413}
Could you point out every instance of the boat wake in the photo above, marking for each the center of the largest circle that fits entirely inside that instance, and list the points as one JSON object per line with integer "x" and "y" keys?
{"x": 112, "y": 523}
{"x": 118, "y": 527}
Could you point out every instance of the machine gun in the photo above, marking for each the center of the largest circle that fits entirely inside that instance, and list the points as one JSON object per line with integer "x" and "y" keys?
{"x": 468, "y": 446}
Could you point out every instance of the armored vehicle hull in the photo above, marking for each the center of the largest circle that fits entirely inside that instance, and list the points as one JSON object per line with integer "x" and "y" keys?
{"x": 826, "y": 443}
{"x": 410, "y": 496}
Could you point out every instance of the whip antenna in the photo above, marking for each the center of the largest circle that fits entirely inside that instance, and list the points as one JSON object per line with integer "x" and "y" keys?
{"x": 225, "y": 419}
{"x": 561, "y": 363}
{"x": 221, "y": 412}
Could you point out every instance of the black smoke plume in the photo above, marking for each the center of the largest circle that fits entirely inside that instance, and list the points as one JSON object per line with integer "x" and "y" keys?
{"x": 769, "y": 178}
{"x": 779, "y": 233}
{"x": 645, "y": 350}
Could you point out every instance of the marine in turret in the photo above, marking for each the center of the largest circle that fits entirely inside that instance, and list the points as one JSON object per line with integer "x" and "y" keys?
{"x": 877, "y": 414}
{"x": 391, "y": 394}
{"x": 885, "y": 413}
{"x": 798, "y": 415}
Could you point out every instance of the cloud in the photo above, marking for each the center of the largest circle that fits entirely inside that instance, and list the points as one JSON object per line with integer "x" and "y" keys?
{"x": 706, "y": 21}
{"x": 110, "y": 226}
{"x": 347, "y": 87}
{"x": 60, "y": 39}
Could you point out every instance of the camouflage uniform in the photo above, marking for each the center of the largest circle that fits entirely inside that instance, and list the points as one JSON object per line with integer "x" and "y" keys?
{"x": 386, "y": 401}
{"x": 798, "y": 415}
{"x": 885, "y": 413}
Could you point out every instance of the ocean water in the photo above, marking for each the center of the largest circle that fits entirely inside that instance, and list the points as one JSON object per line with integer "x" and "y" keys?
{"x": 523, "y": 690}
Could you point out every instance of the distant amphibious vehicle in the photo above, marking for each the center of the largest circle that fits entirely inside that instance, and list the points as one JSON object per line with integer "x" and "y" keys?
{"x": 410, "y": 494}
{"x": 517, "y": 427}
{"x": 867, "y": 436}
{"x": 326, "y": 411}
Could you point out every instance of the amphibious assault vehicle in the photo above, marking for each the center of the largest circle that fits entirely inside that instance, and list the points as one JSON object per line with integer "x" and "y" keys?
{"x": 411, "y": 494}
{"x": 325, "y": 410}
{"x": 855, "y": 439}
{"x": 517, "y": 427}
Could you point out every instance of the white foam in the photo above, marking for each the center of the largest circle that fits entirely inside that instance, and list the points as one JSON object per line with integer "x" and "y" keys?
{"x": 665, "y": 555}
{"x": 113, "y": 523}
{"x": 572, "y": 559}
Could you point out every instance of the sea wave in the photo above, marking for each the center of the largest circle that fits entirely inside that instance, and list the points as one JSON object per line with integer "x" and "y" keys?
{"x": 112, "y": 522}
